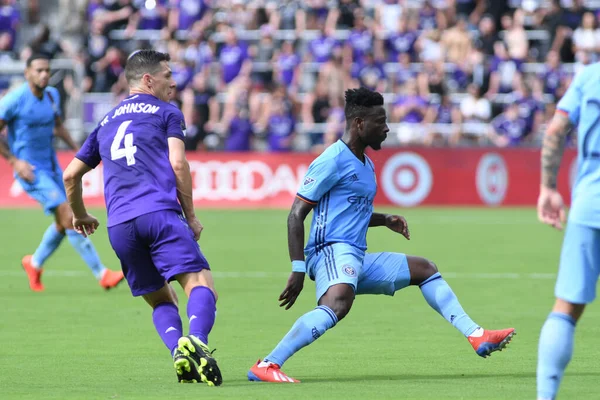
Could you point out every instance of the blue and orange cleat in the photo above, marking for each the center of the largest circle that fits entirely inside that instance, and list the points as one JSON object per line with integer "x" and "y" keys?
{"x": 491, "y": 341}
{"x": 266, "y": 371}
{"x": 110, "y": 279}
{"x": 33, "y": 274}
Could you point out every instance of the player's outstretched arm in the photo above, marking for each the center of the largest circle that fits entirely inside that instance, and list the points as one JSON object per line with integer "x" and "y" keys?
{"x": 83, "y": 223}
{"x": 22, "y": 168}
{"x": 395, "y": 223}
{"x": 183, "y": 179}
{"x": 550, "y": 206}
{"x": 295, "y": 223}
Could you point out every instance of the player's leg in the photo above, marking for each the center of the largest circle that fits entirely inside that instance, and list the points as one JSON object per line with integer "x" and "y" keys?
{"x": 144, "y": 280}
{"x": 177, "y": 256}
{"x": 386, "y": 273}
{"x": 83, "y": 245}
{"x": 335, "y": 270}
{"x": 575, "y": 287}
{"x": 46, "y": 192}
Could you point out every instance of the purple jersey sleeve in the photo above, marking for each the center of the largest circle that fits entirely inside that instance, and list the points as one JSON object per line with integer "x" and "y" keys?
{"x": 89, "y": 153}
{"x": 175, "y": 124}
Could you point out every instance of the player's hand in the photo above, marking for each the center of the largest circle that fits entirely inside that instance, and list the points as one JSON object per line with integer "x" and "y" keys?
{"x": 292, "y": 290}
{"x": 24, "y": 170}
{"x": 398, "y": 224}
{"x": 196, "y": 227}
{"x": 85, "y": 225}
{"x": 551, "y": 208}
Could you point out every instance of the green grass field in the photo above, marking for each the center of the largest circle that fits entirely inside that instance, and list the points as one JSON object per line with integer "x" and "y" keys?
{"x": 75, "y": 341}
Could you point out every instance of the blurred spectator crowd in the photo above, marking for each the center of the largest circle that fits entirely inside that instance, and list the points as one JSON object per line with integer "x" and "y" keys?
{"x": 267, "y": 74}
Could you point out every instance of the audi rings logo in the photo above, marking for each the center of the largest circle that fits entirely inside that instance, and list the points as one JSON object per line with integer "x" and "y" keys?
{"x": 406, "y": 179}
{"x": 492, "y": 179}
{"x": 243, "y": 180}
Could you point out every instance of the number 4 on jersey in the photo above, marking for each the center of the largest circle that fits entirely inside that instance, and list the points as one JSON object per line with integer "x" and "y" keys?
{"x": 118, "y": 152}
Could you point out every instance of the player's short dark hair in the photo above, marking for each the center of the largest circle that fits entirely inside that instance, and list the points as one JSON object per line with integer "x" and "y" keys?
{"x": 36, "y": 56}
{"x": 359, "y": 102}
{"x": 144, "y": 62}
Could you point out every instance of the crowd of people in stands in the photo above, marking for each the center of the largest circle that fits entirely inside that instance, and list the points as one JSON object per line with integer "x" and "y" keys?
{"x": 264, "y": 73}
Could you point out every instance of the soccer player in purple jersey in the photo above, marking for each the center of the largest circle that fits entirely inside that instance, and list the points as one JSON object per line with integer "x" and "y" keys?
{"x": 147, "y": 185}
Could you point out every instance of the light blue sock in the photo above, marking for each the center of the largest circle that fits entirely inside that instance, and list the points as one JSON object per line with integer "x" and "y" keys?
{"x": 443, "y": 300}
{"x": 50, "y": 242}
{"x": 86, "y": 250}
{"x": 554, "y": 353}
{"x": 306, "y": 330}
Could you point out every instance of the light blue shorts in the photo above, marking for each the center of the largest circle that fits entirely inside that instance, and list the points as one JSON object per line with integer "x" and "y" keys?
{"x": 579, "y": 264}
{"x": 47, "y": 189}
{"x": 367, "y": 273}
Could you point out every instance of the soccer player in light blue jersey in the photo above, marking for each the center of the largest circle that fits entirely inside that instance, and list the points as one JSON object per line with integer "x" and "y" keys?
{"x": 339, "y": 187}
{"x": 580, "y": 257}
{"x": 32, "y": 114}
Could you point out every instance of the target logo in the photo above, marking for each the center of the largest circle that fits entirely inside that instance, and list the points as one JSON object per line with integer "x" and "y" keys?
{"x": 406, "y": 179}
{"x": 492, "y": 179}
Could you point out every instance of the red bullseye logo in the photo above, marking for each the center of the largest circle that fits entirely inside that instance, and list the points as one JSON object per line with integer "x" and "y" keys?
{"x": 492, "y": 179}
{"x": 406, "y": 179}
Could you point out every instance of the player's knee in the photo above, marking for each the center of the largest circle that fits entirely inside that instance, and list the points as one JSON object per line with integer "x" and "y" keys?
{"x": 64, "y": 216}
{"x": 421, "y": 269}
{"x": 339, "y": 299}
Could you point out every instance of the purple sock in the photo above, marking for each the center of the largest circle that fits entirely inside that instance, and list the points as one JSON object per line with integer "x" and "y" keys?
{"x": 168, "y": 324}
{"x": 201, "y": 311}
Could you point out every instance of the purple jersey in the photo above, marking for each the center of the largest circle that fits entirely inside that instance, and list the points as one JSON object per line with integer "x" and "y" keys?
{"x": 322, "y": 48}
{"x": 9, "y": 21}
{"x": 413, "y": 116}
{"x": 368, "y": 75}
{"x": 232, "y": 58}
{"x": 528, "y": 107}
{"x": 401, "y": 42}
{"x": 182, "y": 75}
{"x": 552, "y": 79}
{"x": 427, "y": 19}
{"x": 361, "y": 43}
{"x": 405, "y": 74}
{"x": 190, "y": 11}
{"x": 280, "y": 128}
{"x": 287, "y": 63}
{"x": 131, "y": 141}
{"x": 443, "y": 113}
{"x": 515, "y": 130}
{"x": 240, "y": 132}
{"x": 150, "y": 17}
{"x": 506, "y": 70}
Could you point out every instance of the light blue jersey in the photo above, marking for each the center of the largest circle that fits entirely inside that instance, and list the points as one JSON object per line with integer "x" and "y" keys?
{"x": 581, "y": 103}
{"x": 342, "y": 188}
{"x": 580, "y": 256}
{"x": 30, "y": 122}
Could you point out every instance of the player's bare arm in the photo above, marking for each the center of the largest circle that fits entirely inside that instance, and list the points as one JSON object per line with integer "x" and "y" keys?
{"x": 183, "y": 178}
{"x": 83, "y": 223}
{"x": 23, "y": 169}
{"x": 550, "y": 203}
{"x": 300, "y": 209}
{"x": 61, "y": 131}
{"x": 395, "y": 223}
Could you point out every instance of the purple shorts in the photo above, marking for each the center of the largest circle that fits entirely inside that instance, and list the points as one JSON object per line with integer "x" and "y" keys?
{"x": 155, "y": 247}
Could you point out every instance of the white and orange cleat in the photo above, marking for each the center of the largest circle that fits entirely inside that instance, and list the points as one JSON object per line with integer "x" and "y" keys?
{"x": 111, "y": 279}
{"x": 266, "y": 371}
{"x": 491, "y": 341}
{"x": 33, "y": 274}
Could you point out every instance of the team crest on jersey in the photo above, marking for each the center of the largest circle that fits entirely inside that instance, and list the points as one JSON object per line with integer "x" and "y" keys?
{"x": 349, "y": 270}
{"x": 183, "y": 130}
{"x": 308, "y": 183}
